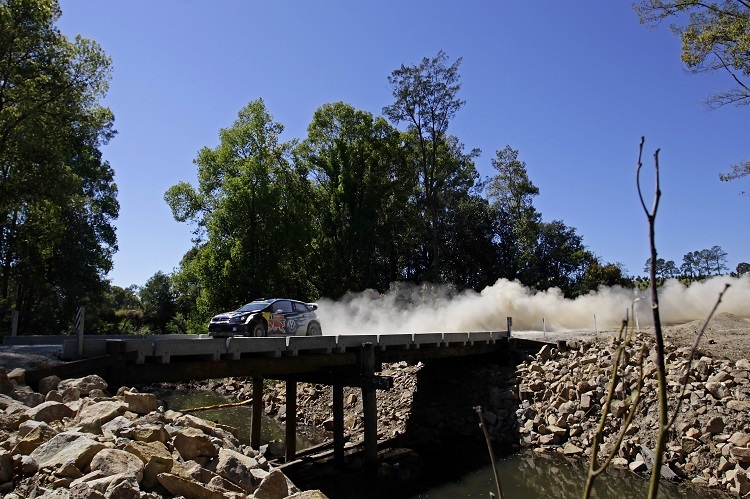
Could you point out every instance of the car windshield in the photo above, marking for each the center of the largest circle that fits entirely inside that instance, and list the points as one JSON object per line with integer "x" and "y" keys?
{"x": 254, "y": 306}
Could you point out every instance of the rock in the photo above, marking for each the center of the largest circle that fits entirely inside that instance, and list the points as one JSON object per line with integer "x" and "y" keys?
{"x": 48, "y": 384}
{"x": 715, "y": 425}
{"x": 124, "y": 486}
{"x": 66, "y": 446}
{"x": 739, "y": 405}
{"x": 6, "y": 466}
{"x": 741, "y": 482}
{"x": 50, "y": 411}
{"x": 149, "y": 433}
{"x": 84, "y": 385}
{"x": 18, "y": 375}
{"x": 6, "y": 386}
{"x": 34, "y": 438}
{"x": 156, "y": 458}
{"x": 572, "y": 450}
{"x": 637, "y": 466}
{"x": 28, "y": 398}
{"x": 740, "y": 439}
{"x": 236, "y": 467}
{"x": 68, "y": 470}
{"x": 741, "y": 454}
{"x": 115, "y": 462}
{"x": 274, "y": 486}
{"x": 545, "y": 353}
{"x": 181, "y": 486}
{"x": 141, "y": 403}
{"x": 192, "y": 443}
{"x": 91, "y": 417}
{"x": 308, "y": 494}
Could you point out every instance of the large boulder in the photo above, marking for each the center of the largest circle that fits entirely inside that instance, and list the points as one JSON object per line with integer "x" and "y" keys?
{"x": 182, "y": 486}
{"x": 192, "y": 443}
{"x": 91, "y": 417}
{"x": 34, "y": 438}
{"x": 83, "y": 385}
{"x": 236, "y": 468}
{"x": 140, "y": 403}
{"x": 116, "y": 461}
{"x": 66, "y": 446}
{"x": 50, "y": 411}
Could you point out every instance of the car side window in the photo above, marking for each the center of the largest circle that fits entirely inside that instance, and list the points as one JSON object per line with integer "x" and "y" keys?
{"x": 284, "y": 305}
{"x": 300, "y": 307}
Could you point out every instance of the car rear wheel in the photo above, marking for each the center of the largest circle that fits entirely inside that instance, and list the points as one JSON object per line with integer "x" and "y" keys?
{"x": 314, "y": 330}
{"x": 259, "y": 330}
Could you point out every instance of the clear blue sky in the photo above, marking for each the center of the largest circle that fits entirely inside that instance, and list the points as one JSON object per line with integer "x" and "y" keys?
{"x": 571, "y": 85}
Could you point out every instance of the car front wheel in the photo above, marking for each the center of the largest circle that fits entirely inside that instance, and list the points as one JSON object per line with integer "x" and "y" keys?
{"x": 314, "y": 330}
{"x": 259, "y": 330}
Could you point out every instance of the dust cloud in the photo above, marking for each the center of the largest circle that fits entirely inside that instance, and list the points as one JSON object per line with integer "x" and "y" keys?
{"x": 417, "y": 309}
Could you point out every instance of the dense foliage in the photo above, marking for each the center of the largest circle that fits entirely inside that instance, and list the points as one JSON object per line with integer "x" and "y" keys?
{"x": 57, "y": 196}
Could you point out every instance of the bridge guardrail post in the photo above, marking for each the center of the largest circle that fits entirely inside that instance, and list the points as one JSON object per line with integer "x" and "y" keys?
{"x": 369, "y": 405}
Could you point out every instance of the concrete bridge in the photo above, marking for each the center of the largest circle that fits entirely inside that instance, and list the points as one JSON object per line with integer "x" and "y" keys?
{"x": 338, "y": 361}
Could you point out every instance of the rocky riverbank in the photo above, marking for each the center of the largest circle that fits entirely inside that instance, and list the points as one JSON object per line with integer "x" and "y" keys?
{"x": 551, "y": 402}
{"x": 71, "y": 439}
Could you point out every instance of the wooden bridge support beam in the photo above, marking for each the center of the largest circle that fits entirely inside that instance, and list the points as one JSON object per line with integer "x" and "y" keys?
{"x": 338, "y": 425}
{"x": 291, "y": 420}
{"x": 370, "y": 405}
{"x": 255, "y": 425}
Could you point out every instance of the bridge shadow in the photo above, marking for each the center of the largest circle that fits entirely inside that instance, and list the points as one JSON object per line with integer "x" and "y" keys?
{"x": 444, "y": 427}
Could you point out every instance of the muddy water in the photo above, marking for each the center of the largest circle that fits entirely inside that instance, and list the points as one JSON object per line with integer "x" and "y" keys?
{"x": 239, "y": 417}
{"x": 527, "y": 475}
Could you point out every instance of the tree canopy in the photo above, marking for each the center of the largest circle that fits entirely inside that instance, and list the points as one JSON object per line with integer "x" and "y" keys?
{"x": 57, "y": 196}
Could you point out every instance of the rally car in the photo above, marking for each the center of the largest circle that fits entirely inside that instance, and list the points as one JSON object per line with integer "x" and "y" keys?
{"x": 264, "y": 317}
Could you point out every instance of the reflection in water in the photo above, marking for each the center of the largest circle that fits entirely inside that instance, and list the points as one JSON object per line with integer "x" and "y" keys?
{"x": 529, "y": 475}
{"x": 239, "y": 417}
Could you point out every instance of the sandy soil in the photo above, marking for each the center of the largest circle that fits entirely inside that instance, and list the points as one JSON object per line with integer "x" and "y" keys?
{"x": 726, "y": 336}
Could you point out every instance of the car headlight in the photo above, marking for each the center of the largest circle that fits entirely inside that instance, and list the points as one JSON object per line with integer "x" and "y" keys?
{"x": 236, "y": 319}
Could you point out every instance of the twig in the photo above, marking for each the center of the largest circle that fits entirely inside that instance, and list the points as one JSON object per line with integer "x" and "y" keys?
{"x": 218, "y": 406}
{"x": 478, "y": 410}
{"x": 692, "y": 354}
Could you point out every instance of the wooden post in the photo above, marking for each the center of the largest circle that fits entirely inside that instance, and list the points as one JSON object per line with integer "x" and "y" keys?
{"x": 80, "y": 319}
{"x": 291, "y": 420}
{"x": 255, "y": 424}
{"x": 370, "y": 405}
{"x": 338, "y": 425}
{"x": 14, "y": 323}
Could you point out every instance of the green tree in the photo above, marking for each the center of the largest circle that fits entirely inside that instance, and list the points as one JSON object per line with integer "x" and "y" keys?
{"x": 158, "y": 301}
{"x": 512, "y": 193}
{"x": 664, "y": 268}
{"x": 362, "y": 192}
{"x": 426, "y": 98}
{"x": 743, "y": 268}
{"x": 250, "y": 212}
{"x": 57, "y": 196}
{"x": 690, "y": 264}
{"x": 715, "y": 37}
{"x": 598, "y": 274}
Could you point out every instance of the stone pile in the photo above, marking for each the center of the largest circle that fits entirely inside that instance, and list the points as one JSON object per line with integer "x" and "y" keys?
{"x": 561, "y": 394}
{"x": 71, "y": 439}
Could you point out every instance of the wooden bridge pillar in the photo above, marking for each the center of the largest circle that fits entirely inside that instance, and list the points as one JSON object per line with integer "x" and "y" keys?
{"x": 255, "y": 425}
{"x": 370, "y": 405}
{"x": 338, "y": 424}
{"x": 291, "y": 420}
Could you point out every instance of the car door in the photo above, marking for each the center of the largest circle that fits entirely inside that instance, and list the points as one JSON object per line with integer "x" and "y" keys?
{"x": 283, "y": 318}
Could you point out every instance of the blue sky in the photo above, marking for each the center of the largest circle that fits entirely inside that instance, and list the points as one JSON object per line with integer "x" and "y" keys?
{"x": 572, "y": 85}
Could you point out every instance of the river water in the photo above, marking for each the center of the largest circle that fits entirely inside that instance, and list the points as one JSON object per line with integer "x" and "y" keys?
{"x": 523, "y": 475}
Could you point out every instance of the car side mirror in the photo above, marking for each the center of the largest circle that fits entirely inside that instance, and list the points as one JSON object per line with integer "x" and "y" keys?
{"x": 279, "y": 311}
